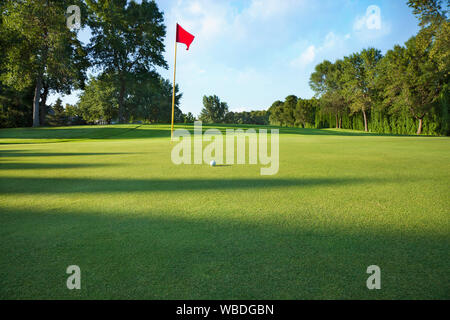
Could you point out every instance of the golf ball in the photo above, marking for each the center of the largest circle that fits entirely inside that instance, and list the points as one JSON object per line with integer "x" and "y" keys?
{"x": 212, "y": 163}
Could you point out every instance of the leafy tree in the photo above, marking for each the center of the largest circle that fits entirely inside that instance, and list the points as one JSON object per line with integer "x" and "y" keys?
{"x": 411, "y": 81}
{"x": 429, "y": 12}
{"x": 390, "y": 68}
{"x": 275, "y": 111}
{"x": 288, "y": 110}
{"x": 99, "y": 100}
{"x": 328, "y": 82}
{"x": 434, "y": 40}
{"x": 435, "y": 30}
{"x": 189, "y": 118}
{"x": 214, "y": 110}
{"x": 127, "y": 39}
{"x": 150, "y": 98}
{"x": 259, "y": 117}
{"x": 421, "y": 85}
{"x": 40, "y": 49}
{"x": 360, "y": 75}
{"x": 15, "y": 109}
{"x": 304, "y": 112}
{"x": 229, "y": 117}
{"x": 59, "y": 116}
{"x": 74, "y": 114}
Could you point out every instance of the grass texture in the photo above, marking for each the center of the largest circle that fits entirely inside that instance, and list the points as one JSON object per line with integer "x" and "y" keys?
{"x": 109, "y": 199}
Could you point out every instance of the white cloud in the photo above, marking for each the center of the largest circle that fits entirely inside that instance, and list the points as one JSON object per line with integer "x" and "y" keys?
{"x": 330, "y": 40}
{"x": 248, "y": 76}
{"x": 205, "y": 19}
{"x": 260, "y": 22}
{"x": 332, "y": 45}
{"x": 360, "y": 23}
{"x": 195, "y": 8}
{"x": 305, "y": 58}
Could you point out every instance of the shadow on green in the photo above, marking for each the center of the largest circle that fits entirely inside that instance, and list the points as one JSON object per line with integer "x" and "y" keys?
{"x": 31, "y": 185}
{"x": 46, "y": 166}
{"x": 161, "y": 257}
{"x": 47, "y": 134}
{"x": 23, "y": 153}
{"x": 82, "y": 133}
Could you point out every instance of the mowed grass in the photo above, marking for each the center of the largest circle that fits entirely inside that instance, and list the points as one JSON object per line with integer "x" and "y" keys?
{"x": 110, "y": 200}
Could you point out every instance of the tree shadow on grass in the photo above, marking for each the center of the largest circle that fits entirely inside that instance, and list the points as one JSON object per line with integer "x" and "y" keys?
{"x": 50, "y": 166}
{"x": 31, "y": 185}
{"x": 302, "y": 131}
{"x": 338, "y": 132}
{"x": 148, "y": 131}
{"x": 159, "y": 256}
{"x": 81, "y": 133}
{"x": 308, "y": 131}
{"x": 23, "y": 153}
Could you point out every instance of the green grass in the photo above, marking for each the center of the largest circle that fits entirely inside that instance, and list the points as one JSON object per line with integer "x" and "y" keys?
{"x": 110, "y": 200}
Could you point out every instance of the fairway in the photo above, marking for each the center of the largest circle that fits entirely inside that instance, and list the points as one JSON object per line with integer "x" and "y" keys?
{"x": 110, "y": 200}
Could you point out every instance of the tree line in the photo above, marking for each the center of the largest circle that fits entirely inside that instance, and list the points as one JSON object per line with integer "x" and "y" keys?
{"x": 216, "y": 111}
{"x": 405, "y": 91}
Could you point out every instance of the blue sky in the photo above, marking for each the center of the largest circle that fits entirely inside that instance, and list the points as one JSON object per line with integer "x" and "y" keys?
{"x": 253, "y": 52}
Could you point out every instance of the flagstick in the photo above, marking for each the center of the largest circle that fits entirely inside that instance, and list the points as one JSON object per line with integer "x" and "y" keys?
{"x": 173, "y": 92}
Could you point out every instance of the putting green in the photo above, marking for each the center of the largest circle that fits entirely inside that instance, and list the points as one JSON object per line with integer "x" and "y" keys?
{"x": 109, "y": 200}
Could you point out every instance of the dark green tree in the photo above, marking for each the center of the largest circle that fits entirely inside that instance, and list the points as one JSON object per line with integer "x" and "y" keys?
{"x": 329, "y": 84}
{"x": 99, "y": 100}
{"x": 275, "y": 112}
{"x": 360, "y": 75}
{"x": 189, "y": 118}
{"x": 288, "y": 110}
{"x": 74, "y": 114}
{"x": 150, "y": 98}
{"x": 214, "y": 110}
{"x": 304, "y": 113}
{"x": 41, "y": 50}
{"x": 59, "y": 115}
{"x": 127, "y": 40}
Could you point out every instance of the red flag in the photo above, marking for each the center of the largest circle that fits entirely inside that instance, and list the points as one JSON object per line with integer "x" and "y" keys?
{"x": 184, "y": 37}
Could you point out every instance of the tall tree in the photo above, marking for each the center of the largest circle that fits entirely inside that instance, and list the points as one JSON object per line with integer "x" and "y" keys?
{"x": 304, "y": 112}
{"x": 275, "y": 111}
{"x": 434, "y": 40}
{"x": 15, "y": 106}
{"x": 429, "y": 12}
{"x": 127, "y": 38}
{"x": 99, "y": 100}
{"x": 214, "y": 110}
{"x": 42, "y": 48}
{"x": 59, "y": 116}
{"x": 360, "y": 76}
{"x": 328, "y": 82}
{"x": 390, "y": 69}
{"x": 288, "y": 110}
{"x": 421, "y": 83}
{"x": 189, "y": 118}
{"x": 151, "y": 98}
